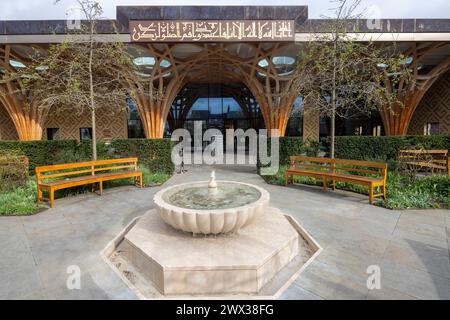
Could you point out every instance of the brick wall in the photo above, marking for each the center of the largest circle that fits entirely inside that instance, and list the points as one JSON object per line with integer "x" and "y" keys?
{"x": 7, "y": 129}
{"x": 434, "y": 107}
{"x": 109, "y": 125}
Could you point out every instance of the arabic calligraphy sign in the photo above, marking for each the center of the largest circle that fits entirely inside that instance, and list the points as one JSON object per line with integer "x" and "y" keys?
{"x": 212, "y": 30}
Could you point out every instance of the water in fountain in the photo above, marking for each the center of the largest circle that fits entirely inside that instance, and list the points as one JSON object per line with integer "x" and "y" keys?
{"x": 228, "y": 195}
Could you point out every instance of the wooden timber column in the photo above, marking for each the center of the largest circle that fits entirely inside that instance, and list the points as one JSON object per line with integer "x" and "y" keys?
{"x": 155, "y": 95}
{"x": 270, "y": 90}
{"x": 25, "y": 113}
{"x": 398, "y": 114}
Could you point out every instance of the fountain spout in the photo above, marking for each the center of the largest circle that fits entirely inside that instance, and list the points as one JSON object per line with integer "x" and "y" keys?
{"x": 212, "y": 185}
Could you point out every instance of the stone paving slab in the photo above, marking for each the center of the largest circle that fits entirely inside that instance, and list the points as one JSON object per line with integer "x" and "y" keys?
{"x": 411, "y": 246}
{"x": 329, "y": 282}
{"x": 417, "y": 283}
{"x": 431, "y": 259}
{"x": 295, "y": 292}
{"x": 386, "y": 293}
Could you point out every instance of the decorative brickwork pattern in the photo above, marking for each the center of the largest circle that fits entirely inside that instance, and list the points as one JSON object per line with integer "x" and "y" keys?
{"x": 109, "y": 126}
{"x": 7, "y": 129}
{"x": 434, "y": 107}
{"x": 311, "y": 125}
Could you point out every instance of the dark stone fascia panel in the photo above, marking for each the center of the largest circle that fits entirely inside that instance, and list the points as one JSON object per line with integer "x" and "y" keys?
{"x": 383, "y": 25}
{"x": 297, "y": 13}
{"x": 432, "y": 25}
{"x": 14, "y": 27}
{"x": 127, "y": 13}
{"x": 35, "y": 27}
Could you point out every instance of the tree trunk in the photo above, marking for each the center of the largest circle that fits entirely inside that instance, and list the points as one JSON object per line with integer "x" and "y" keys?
{"x": 91, "y": 95}
{"x": 333, "y": 102}
{"x": 333, "y": 129}
{"x": 94, "y": 136}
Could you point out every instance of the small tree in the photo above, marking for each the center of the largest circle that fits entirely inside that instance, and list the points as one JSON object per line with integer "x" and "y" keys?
{"x": 84, "y": 72}
{"x": 339, "y": 76}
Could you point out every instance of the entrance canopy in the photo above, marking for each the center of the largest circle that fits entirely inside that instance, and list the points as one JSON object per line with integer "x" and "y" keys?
{"x": 247, "y": 51}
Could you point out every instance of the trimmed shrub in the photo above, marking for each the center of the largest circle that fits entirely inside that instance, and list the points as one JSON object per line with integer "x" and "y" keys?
{"x": 13, "y": 171}
{"x": 43, "y": 152}
{"x": 83, "y": 151}
{"x": 294, "y": 146}
{"x": 155, "y": 154}
{"x": 290, "y": 146}
{"x": 382, "y": 148}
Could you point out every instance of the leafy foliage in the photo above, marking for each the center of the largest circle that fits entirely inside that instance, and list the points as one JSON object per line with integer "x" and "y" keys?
{"x": 13, "y": 171}
{"x": 20, "y": 201}
{"x": 405, "y": 192}
{"x": 337, "y": 75}
{"x": 81, "y": 73}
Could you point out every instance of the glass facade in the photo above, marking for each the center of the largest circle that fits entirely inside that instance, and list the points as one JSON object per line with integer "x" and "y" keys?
{"x": 295, "y": 123}
{"x": 53, "y": 134}
{"x": 135, "y": 129}
{"x": 85, "y": 134}
{"x": 217, "y": 106}
{"x": 356, "y": 125}
{"x": 431, "y": 128}
{"x": 224, "y": 107}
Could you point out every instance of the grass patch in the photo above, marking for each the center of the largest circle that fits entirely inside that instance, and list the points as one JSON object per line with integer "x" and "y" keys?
{"x": 403, "y": 192}
{"x": 20, "y": 201}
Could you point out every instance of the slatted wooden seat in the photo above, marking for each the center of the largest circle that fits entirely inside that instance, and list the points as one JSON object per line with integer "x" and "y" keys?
{"x": 63, "y": 176}
{"x": 366, "y": 173}
{"x": 434, "y": 160}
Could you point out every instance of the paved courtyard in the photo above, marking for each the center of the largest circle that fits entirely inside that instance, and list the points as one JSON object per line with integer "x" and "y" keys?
{"x": 410, "y": 247}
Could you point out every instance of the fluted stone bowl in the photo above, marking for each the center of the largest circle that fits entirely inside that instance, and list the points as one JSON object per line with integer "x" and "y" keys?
{"x": 193, "y": 207}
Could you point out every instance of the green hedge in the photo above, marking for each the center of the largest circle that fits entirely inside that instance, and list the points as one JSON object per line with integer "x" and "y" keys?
{"x": 293, "y": 146}
{"x": 384, "y": 148}
{"x": 41, "y": 153}
{"x": 153, "y": 153}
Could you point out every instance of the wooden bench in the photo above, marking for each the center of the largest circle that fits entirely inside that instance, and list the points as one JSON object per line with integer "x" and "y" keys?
{"x": 426, "y": 159}
{"x": 341, "y": 170}
{"x": 62, "y": 176}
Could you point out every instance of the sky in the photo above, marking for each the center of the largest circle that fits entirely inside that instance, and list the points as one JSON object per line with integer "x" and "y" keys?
{"x": 47, "y": 10}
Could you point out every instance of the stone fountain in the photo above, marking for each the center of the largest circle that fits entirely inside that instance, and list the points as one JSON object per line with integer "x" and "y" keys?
{"x": 209, "y": 207}
{"x": 213, "y": 238}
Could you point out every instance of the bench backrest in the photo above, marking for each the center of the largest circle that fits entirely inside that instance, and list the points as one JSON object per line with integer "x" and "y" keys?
{"x": 357, "y": 167}
{"x": 68, "y": 170}
{"x": 438, "y": 157}
{"x": 439, "y": 153}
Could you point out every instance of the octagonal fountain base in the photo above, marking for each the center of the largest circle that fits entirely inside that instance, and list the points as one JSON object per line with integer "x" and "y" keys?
{"x": 157, "y": 261}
